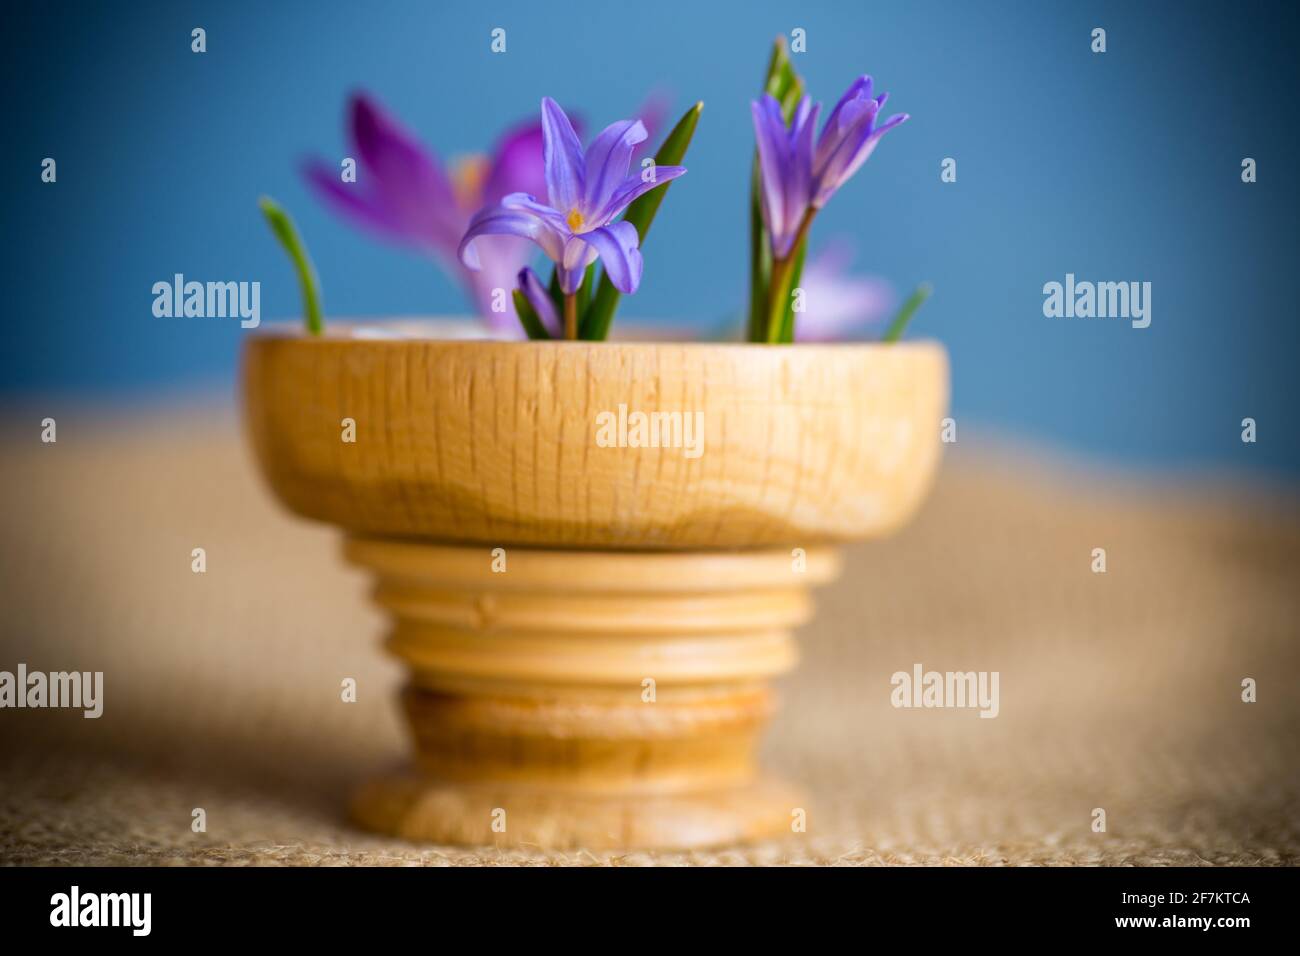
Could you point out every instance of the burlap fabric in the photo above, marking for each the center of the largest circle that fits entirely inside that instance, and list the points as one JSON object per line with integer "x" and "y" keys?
{"x": 1119, "y": 691}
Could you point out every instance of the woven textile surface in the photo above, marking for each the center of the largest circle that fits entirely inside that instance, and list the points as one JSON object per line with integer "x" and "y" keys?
{"x": 1120, "y": 691}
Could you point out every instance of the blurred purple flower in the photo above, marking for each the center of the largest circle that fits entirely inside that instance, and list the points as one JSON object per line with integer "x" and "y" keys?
{"x": 798, "y": 176}
{"x": 836, "y": 304}
{"x": 404, "y": 194}
{"x": 586, "y": 191}
{"x": 652, "y": 114}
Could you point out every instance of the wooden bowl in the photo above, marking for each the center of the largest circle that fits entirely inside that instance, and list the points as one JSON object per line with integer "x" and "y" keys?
{"x": 497, "y": 442}
{"x": 591, "y": 625}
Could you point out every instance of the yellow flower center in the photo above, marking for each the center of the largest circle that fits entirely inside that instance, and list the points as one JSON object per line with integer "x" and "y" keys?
{"x": 468, "y": 175}
{"x": 575, "y": 220}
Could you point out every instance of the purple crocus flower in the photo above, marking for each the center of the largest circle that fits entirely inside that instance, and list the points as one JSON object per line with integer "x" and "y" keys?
{"x": 798, "y": 176}
{"x": 586, "y": 191}
{"x": 404, "y": 194}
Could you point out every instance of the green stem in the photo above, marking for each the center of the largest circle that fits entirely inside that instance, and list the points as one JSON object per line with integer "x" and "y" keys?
{"x": 782, "y": 82}
{"x": 287, "y": 233}
{"x": 760, "y": 261}
{"x": 783, "y": 270}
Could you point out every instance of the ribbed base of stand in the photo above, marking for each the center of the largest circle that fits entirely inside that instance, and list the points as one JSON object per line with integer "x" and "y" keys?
{"x": 415, "y": 808}
{"x": 587, "y": 699}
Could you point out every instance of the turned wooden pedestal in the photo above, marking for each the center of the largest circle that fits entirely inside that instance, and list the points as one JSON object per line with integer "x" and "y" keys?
{"x": 607, "y": 684}
{"x": 577, "y": 698}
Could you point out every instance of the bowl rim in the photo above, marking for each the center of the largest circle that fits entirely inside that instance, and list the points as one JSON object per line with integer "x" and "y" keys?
{"x": 344, "y": 332}
{"x": 298, "y": 454}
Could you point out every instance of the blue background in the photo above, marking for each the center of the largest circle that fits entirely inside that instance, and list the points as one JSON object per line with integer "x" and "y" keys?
{"x": 1121, "y": 166}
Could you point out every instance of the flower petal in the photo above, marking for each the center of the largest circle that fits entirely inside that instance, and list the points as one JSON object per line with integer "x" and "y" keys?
{"x": 859, "y": 89}
{"x": 769, "y": 135}
{"x": 524, "y": 201}
{"x": 402, "y": 175}
{"x": 619, "y": 255}
{"x": 844, "y": 135}
{"x": 541, "y": 301}
{"x": 849, "y": 138}
{"x": 355, "y": 203}
{"x": 562, "y": 156}
{"x": 554, "y": 232}
{"x": 784, "y": 161}
{"x": 497, "y": 221}
{"x": 633, "y": 187}
{"x": 572, "y": 264}
{"x": 799, "y": 189}
{"x": 895, "y": 120}
{"x": 607, "y": 161}
{"x": 517, "y": 165}
{"x": 500, "y": 259}
{"x": 849, "y": 156}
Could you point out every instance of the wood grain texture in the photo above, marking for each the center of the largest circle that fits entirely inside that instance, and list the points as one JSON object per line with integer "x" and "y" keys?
{"x": 541, "y": 584}
{"x": 596, "y": 699}
{"x": 495, "y": 442}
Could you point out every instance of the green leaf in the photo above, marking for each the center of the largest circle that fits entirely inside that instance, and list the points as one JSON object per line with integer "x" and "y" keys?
{"x": 287, "y": 233}
{"x": 786, "y": 86}
{"x": 528, "y": 318}
{"x": 596, "y": 322}
{"x": 914, "y": 302}
{"x": 782, "y": 81}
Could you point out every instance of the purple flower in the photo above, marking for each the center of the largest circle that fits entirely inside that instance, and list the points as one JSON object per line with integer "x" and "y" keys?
{"x": 837, "y": 304}
{"x": 586, "y": 191}
{"x": 785, "y": 167}
{"x": 540, "y": 300}
{"x": 799, "y": 177}
{"x": 403, "y": 193}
